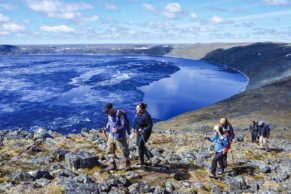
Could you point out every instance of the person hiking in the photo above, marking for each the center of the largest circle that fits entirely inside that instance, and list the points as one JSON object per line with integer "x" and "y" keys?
{"x": 116, "y": 129}
{"x": 264, "y": 133}
{"x": 142, "y": 128}
{"x": 228, "y": 131}
{"x": 254, "y": 131}
{"x": 221, "y": 142}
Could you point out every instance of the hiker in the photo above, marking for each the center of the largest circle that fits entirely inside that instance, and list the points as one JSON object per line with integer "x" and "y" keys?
{"x": 221, "y": 142}
{"x": 117, "y": 123}
{"x": 142, "y": 128}
{"x": 254, "y": 131}
{"x": 264, "y": 133}
{"x": 228, "y": 131}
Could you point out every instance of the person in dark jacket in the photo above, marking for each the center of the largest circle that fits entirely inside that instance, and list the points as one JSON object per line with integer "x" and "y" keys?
{"x": 143, "y": 125}
{"x": 228, "y": 131}
{"x": 254, "y": 131}
{"x": 117, "y": 135}
{"x": 221, "y": 142}
{"x": 264, "y": 133}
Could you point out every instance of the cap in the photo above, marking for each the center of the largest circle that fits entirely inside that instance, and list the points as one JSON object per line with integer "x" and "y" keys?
{"x": 107, "y": 107}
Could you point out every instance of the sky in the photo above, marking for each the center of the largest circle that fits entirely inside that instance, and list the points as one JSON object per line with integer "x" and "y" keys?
{"x": 143, "y": 21}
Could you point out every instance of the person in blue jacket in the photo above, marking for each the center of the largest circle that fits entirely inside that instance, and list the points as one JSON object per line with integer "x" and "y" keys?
{"x": 221, "y": 142}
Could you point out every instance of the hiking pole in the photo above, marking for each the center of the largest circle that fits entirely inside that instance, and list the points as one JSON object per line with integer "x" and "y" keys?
{"x": 104, "y": 132}
{"x": 148, "y": 152}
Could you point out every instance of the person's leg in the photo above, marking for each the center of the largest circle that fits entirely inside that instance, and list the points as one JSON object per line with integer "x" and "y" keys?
{"x": 266, "y": 144}
{"x": 221, "y": 161}
{"x": 122, "y": 144}
{"x": 261, "y": 142}
{"x": 141, "y": 148}
{"x": 214, "y": 163}
{"x": 111, "y": 147}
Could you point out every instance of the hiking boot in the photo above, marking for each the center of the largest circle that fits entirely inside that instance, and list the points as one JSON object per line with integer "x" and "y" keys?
{"x": 221, "y": 172}
{"x": 127, "y": 165}
{"x": 212, "y": 175}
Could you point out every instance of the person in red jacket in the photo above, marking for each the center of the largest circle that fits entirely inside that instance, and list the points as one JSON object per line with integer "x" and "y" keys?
{"x": 228, "y": 131}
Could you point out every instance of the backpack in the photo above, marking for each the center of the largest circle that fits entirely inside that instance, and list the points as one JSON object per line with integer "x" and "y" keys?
{"x": 126, "y": 120}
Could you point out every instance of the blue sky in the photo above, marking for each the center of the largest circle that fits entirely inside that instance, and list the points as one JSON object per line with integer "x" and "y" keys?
{"x": 143, "y": 21}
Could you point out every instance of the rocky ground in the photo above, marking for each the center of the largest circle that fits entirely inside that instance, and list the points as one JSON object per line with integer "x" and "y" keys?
{"x": 48, "y": 162}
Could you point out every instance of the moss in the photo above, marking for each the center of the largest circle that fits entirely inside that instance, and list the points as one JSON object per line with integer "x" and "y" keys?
{"x": 92, "y": 170}
{"x": 3, "y": 179}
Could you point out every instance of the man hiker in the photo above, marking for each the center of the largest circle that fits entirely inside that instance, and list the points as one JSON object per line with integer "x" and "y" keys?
{"x": 254, "y": 131}
{"x": 264, "y": 133}
{"x": 221, "y": 142}
{"x": 117, "y": 123}
{"x": 228, "y": 131}
{"x": 142, "y": 128}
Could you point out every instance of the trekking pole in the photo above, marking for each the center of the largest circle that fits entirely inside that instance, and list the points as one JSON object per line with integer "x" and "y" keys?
{"x": 104, "y": 132}
{"x": 201, "y": 148}
{"x": 146, "y": 148}
{"x": 233, "y": 161}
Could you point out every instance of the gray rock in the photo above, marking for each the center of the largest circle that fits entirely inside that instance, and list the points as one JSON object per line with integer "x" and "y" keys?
{"x": 59, "y": 154}
{"x": 56, "y": 167}
{"x": 41, "y": 182}
{"x": 22, "y": 177}
{"x": 42, "y": 160}
{"x": 265, "y": 169}
{"x": 138, "y": 188}
{"x": 4, "y": 187}
{"x": 235, "y": 184}
{"x": 159, "y": 190}
{"x": 103, "y": 187}
{"x": 41, "y": 133}
{"x": 83, "y": 178}
{"x": 132, "y": 175}
{"x": 78, "y": 160}
{"x": 169, "y": 187}
{"x": 72, "y": 186}
{"x": 37, "y": 174}
{"x": 63, "y": 173}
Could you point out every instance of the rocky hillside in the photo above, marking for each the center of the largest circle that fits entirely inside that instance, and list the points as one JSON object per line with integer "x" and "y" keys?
{"x": 48, "y": 162}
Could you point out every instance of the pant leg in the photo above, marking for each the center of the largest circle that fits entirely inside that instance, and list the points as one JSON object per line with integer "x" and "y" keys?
{"x": 261, "y": 141}
{"x": 141, "y": 148}
{"x": 123, "y": 145}
{"x": 146, "y": 150}
{"x": 224, "y": 161}
{"x": 218, "y": 156}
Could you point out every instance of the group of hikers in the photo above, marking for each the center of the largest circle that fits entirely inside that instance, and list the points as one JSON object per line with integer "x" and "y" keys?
{"x": 118, "y": 126}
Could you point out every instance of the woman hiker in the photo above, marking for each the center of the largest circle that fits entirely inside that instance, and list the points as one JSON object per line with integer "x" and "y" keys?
{"x": 221, "y": 142}
{"x": 142, "y": 127}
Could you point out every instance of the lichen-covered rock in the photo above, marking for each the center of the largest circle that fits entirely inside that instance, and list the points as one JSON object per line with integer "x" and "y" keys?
{"x": 78, "y": 160}
{"x": 235, "y": 184}
{"x": 22, "y": 177}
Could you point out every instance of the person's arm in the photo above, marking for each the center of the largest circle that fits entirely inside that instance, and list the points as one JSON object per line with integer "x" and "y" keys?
{"x": 149, "y": 123}
{"x": 107, "y": 129}
{"x": 231, "y": 132}
{"x": 212, "y": 139}
{"x": 121, "y": 125}
{"x": 224, "y": 142}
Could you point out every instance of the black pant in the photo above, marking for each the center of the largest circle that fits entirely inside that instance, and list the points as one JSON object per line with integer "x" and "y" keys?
{"x": 217, "y": 158}
{"x": 142, "y": 150}
{"x": 254, "y": 137}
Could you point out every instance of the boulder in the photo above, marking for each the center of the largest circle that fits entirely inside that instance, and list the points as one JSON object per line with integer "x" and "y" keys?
{"x": 72, "y": 186}
{"x": 22, "y": 177}
{"x": 169, "y": 187}
{"x": 37, "y": 174}
{"x": 235, "y": 184}
{"x": 41, "y": 182}
{"x": 78, "y": 160}
{"x": 41, "y": 133}
{"x": 265, "y": 169}
{"x": 83, "y": 178}
{"x": 138, "y": 188}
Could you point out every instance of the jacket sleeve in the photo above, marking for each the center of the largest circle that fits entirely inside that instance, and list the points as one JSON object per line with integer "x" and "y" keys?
{"x": 121, "y": 126}
{"x": 107, "y": 125}
{"x": 149, "y": 122}
{"x": 212, "y": 139}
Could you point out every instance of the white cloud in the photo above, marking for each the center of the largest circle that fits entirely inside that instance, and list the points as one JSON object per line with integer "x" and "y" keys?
{"x": 149, "y": 7}
{"x": 194, "y": 16}
{"x": 277, "y": 2}
{"x": 59, "y": 9}
{"x": 91, "y": 19}
{"x": 60, "y": 28}
{"x": 262, "y": 16}
{"x": 216, "y": 20}
{"x": 4, "y": 18}
{"x": 13, "y": 27}
{"x": 171, "y": 10}
{"x": 110, "y": 6}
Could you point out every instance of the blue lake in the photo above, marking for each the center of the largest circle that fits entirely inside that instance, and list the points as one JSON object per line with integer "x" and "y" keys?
{"x": 67, "y": 92}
